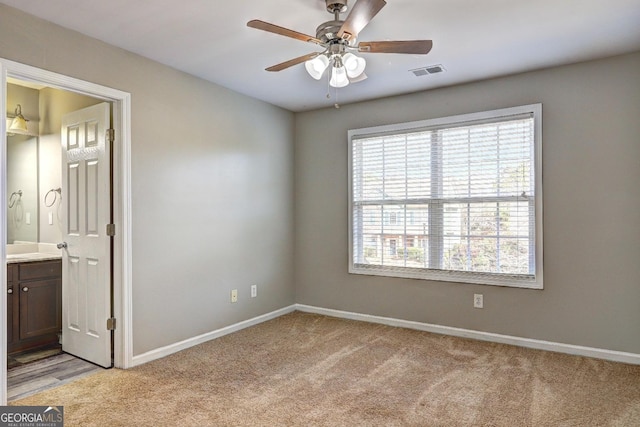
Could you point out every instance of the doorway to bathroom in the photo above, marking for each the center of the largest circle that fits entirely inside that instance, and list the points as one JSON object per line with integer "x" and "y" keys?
{"x": 74, "y": 121}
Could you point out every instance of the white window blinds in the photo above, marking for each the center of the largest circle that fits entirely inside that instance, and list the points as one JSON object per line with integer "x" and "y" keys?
{"x": 448, "y": 199}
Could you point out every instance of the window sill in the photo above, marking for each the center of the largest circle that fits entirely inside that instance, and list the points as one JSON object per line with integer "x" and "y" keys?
{"x": 512, "y": 281}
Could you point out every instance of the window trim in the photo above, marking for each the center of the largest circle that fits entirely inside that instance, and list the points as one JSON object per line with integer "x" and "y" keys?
{"x": 497, "y": 279}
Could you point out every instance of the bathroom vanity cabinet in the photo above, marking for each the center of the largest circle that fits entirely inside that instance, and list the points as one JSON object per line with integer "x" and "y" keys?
{"x": 34, "y": 304}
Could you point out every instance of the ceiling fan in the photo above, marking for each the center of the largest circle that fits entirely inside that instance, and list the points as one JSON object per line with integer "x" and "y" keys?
{"x": 339, "y": 40}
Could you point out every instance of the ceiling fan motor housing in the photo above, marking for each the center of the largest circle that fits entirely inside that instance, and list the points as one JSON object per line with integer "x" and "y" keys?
{"x": 328, "y": 31}
{"x": 334, "y": 6}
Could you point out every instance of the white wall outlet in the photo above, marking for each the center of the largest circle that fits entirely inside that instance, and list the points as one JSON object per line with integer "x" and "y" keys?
{"x": 478, "y": 301}
{"x": 234, "y": 295}
{"x": 254, "y": 291}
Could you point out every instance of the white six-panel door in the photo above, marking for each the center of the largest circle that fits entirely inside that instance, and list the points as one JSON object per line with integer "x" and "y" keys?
{"x": 86, "y": 260}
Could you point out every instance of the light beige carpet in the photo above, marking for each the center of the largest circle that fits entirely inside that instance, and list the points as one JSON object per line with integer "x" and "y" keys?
{"x": 304, "y": 370}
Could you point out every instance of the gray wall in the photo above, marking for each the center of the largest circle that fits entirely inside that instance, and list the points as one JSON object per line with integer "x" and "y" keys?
{"x": 212, "y": 185}
{"x": 591, "y": 173}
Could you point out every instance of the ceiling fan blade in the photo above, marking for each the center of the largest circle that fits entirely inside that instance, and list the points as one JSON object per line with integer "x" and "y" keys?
{"x": 417, "y": 47}
{"x": 363, "y": 12}
{"x": 292, "y": 62}
{"x": 271, "y": 28}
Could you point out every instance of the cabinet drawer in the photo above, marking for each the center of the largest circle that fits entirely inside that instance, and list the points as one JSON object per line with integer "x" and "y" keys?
{"x": 40, "y": 270}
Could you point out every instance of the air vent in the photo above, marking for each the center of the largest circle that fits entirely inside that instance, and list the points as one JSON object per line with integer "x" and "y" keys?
{"x": 431, "y": 69}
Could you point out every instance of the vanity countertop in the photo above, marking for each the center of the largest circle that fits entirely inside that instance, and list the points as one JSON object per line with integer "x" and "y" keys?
{"x": 31, "y": 257}
{"x": 31, "y": 252}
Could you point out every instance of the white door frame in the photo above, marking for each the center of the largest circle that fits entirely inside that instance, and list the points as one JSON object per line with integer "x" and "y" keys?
{"x": 122, "y": 268}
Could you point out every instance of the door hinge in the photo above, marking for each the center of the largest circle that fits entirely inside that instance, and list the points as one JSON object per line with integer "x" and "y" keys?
{"x": 110, "y": 135}
{"x": 111, "y": 229}
{"x": 111, "y": 324}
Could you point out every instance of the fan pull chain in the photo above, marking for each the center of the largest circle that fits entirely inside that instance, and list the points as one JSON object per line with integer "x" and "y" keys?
{"x": 335, "y": 89}
{"x": 329, "y": 73}
{"x": 328, "y": 80}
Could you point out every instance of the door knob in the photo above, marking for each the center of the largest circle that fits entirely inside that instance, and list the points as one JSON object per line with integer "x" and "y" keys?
{"x": 62, "y": 245}
{"x": 25, "y": 289}
{"x": 9, "y": 291}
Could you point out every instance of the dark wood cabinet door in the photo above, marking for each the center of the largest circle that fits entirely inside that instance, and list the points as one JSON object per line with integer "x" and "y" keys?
{"x": 34, "y": 305}
{"x": 40, "y": 308}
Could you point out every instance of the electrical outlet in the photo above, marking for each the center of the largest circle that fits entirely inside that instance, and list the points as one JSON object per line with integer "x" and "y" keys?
{"x": 234, "y": 295}
{"x": 478, "y": 301}
{"x": 254, "y": 291}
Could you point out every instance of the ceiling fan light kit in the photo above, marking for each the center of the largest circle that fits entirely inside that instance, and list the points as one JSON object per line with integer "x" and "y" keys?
{"x": 345, "y": 67}
{"x": 339, "y": 39}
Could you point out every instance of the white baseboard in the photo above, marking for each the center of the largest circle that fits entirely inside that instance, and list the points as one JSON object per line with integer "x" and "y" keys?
{"x": 182, "y": 345}
{"x": 598, "y": 353}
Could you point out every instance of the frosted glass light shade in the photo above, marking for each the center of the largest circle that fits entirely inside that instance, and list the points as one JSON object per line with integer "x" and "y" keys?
{"x": 353, "y": 64}
{"x": 18, "y": 123}
{"x": 316, "y": 66}
{"x": 339, "y": 77}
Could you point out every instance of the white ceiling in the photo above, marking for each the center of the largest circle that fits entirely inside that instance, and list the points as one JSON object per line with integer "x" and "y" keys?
{"x": 472, "y": 39}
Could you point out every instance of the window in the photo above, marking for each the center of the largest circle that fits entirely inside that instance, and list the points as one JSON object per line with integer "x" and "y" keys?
{"x": 393, "y": 218}
{"x": 466, "y": 189}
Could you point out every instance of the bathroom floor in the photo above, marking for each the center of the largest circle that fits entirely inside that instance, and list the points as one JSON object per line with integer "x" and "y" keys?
{"x": 42, "y": 370}
{"x": 24, "y": 358}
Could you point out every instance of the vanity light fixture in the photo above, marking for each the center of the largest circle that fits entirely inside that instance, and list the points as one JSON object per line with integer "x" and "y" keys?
{"x": 19, "y": 123}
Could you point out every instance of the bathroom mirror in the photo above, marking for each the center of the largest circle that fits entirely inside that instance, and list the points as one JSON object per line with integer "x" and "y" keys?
{"x": 22, "y": 188}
